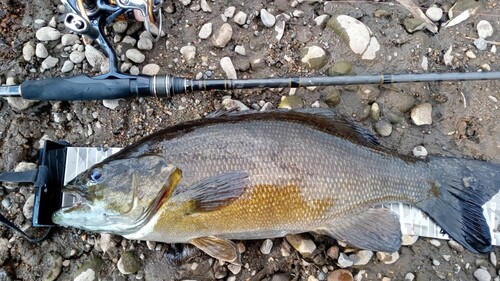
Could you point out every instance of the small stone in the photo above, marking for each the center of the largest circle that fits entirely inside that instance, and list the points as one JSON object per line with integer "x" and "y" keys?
{"x": 333, "y": 252}
{"x": 228, "y": 67}
{"x": 240, "y": 18}
{"x": 312, "y": 278}
{"x": 332, "y": 98}
{"x": 484, "y": 29}
{"x": 435, "y": 262}
{"x": 69, "y": 39}
{"x": 111, "y": 104}
{"x": 6, "y": 203}
{"x": 230, "y": 104}
{"x": 48, "y": 33}
{"x": 105, "y": 242}
{"x": 434, "y": 13}
{"x": 49, "y": 62}
{"x": 298, "y": 14}
{"x": 135, "y": 55}
{"x": 151, "y": 69}
{"x": 229, "y": 12}
{"x": 413, "y": 24}
{"x": 240, "y": 49}
{"x": 481, "y": 44}
{"x": 77, "y": 56}
{"x": 383, "y": 128}
{"x": 205, "y": 7}
{"x": 375, "y": 111}
{"x": 234, "y": 268}
{"x": 470, "y": 54}
{"x": 120, "y": 26}
{"x": 95, "y": 58}
{"x": 53, "y": 263}
{"x": 223, "y": 36}
{"x": 20, "y": 104}
{"x": 266, "y": 246}
{"x": 267, "y": 18}
{"x": 446, "y": 257}
{"x": 145, "y": 44}
{"x": 188, "y": 52}
{"x": 422, "y": 114}
{"x": 280, "y": 29}
{"x": 409, "y": 276}
{"x": 314, "y": 57}
{"x": 302, "y": 244}
{"x": 186, "y": 2}
{"x": 291, "y": 102}
{"x": 88, "y": 271}
{"x": 321, "y": 20}
{"x": 205, "y": 31}
{"x": 493, "y": 259}
{"x": 340, "y": 275}
{"x": 420, "y": 151}
{"x": 129, "y": 263}
{"x": 409, "y": 240}
{"x": 435, "y": 242}
{"x": 340, "y": 68}
{"x": 134, "y": 70}
{"x": 456, "y": 246}
{"x": 362, "y": 257}
{"x": 41, "y": 51}
{"x": 387, "y": 258}
{"x": 482, "y": 275}
{"x": 344, "y": 261}
{"x": 28, "y": 51}
{"x": 67, "y": 66}
{"x": 28, "y": 207}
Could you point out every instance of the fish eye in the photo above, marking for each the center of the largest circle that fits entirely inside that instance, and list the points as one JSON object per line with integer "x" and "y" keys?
{"x": 95, "y": 175}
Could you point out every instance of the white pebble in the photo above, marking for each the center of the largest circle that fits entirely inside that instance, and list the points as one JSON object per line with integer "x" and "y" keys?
{"x": 228, "y": 67}
{"x": 420, "y": 151}
{"x": 484, "y": 29}
{"x": 240, "y": 18}
{"x": 205, "y": 31}
{"x": 67, "y": 66}
{"x": 434, "y": 13}
{"x": 267, "y": 18}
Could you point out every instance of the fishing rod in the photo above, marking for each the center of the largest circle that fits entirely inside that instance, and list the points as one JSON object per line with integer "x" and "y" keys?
{"x": 84, "y": 87}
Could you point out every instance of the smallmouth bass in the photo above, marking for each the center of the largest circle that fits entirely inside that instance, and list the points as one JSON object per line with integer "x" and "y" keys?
{"x": 269, "y": 174}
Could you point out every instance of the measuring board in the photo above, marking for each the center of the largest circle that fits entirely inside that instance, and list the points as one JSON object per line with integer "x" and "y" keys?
{"x": 413, "y": 221}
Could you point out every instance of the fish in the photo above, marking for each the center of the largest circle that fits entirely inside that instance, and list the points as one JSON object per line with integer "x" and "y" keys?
{"x": 256, "y": 175}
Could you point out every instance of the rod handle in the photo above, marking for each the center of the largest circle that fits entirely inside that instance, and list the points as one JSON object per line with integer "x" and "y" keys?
{"x": 83, "y": 87}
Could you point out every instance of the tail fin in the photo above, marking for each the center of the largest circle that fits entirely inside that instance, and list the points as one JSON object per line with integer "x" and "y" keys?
{"x": 460, "y": 189}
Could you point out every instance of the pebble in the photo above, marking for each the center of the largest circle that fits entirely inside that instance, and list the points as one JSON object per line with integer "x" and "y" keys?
{"x": 234, "y": 268}
{"x": 383, "y": 128}
{"x": 94, "y": 57}
{"x": 280, "y": 29}
{"x": 298, "y": 14}
{"x": 134, "y": 70}
{"x": 145, "y": 44}
{"x": 321, "y": 20}
{"x": 267, "y": 18}
{"x": 49, "y": 62}
{"x": 387, "y": 258}
{"x": 493, "y": 258}
{"x": 28, "y": 51}
{"x": 291, "y": 102}
{"x": 375, "y": 111}
{"x": 434, "y": 13}
{"x": 344, "y": 261}
{"x": 240, "y": 18}
{"x": 120, "y": 26}
{"x": 205, "y": 30}
{"x": 229, "y": 12}
{"x": 341, "y": 68}
{"x": 6, "y": 203}
{"x": 435, "y": 242}
{"x": 128, "y": 263}
{"x": 28, "y": 207}
{"x": 230, "y": 104}
{"x": 266, "y": 246}
{"x": 48, "y": 33}
{"x": 205, "y": 7}
{"x": 39, "y": 23}
{"x": 228, "y": 67}
{"x": 362, "y": 257}
{"x": 420, "y": 151}
{"x": 333, "y": 252}
{"x": 470, "y": 54}
{"x": 409, "y": 240}
{"x": 223, "y": 36}
{"x": 151, "y": 69}
{"x": 188, "y": 52}
{"x": 77, "y": 56}
{"x": 422, "y": 114}
{"x": 112, "y": 104}
{"x": 67, "y": 66}
{"x": 340, "y": 275}
{"x": 135, "y": 55}
{"x": 41, "y": 51}
{"x": 409, "y": 276}
{"x": 186, "y": 2}
{"x": 482, "y": 275}
{"x": 446, "y": 257}
{"x": 484, "y": 29}
{"x": 481, "y": 44}
{"x": 435, "y": 262}
{"x": 54, "y": 263}
{"x": 314, "y": 57}
{"x": 356, "y": 35}
{"x": 240, "y": 49}
{"x": 302, "y": 244}
{"x": 69, "y": 39}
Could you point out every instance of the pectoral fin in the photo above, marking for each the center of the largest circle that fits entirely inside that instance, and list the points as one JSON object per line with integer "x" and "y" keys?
{"x": 377, "y": 229}
{"x": 214, "y": 192}
{"x": 222, "y": 249}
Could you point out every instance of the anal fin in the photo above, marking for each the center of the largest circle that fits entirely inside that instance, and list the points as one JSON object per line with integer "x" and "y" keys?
{"x": 376, "y": 229}
{"x": 222, "y": 249}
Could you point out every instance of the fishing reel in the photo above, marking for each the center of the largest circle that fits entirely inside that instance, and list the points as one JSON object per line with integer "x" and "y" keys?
{"x": 90, "y": 17}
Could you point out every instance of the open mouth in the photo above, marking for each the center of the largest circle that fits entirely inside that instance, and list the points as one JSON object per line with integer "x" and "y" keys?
{"x": 70, "y": 199}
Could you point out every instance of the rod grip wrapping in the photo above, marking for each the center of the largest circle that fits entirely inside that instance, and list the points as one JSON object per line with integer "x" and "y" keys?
{"x": 83, "y": 87}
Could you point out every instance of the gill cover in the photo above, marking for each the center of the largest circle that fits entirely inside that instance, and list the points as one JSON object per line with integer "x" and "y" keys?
{"x": 118, "y": 195}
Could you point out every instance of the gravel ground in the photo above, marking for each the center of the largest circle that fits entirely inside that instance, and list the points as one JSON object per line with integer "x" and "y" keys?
{"x": 218, "y": 39}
